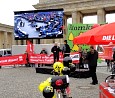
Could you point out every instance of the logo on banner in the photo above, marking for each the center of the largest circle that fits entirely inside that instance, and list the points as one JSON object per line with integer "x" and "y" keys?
{"x": 109, "y": 37}
{"x": 74, "y": 56}
{"x": 20, "y": 58}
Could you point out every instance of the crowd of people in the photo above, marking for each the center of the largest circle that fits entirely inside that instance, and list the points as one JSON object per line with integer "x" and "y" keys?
{"x": 88, "y": 59}
{"x": 56, "y": 50}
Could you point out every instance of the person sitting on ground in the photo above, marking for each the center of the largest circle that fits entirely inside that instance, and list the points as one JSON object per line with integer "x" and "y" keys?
{"x": 43, "y": 51}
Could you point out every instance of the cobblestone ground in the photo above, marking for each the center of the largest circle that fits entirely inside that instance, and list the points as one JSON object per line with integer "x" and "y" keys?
{"x": 22, "y": 82}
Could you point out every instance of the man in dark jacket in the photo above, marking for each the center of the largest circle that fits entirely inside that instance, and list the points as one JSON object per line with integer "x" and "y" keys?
{"x": 66, "y": 49}
{"x": 92, "y": 57}
{"x": 55, "y": 50}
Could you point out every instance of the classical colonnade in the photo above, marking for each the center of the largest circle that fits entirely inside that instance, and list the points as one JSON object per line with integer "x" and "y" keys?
{"x": 76, "y": 9}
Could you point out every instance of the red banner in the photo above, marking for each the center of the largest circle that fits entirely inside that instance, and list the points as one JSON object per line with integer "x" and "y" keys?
{"x": 36, "y": 58}
{"x": 12, "y": 60}
{"x": 106, "y": 52}
{"x": 45, "y": 59}
{"x": 30, "y": 47}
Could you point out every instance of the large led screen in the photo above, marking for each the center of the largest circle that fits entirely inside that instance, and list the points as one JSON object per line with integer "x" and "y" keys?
{"x": 42, "y": 24}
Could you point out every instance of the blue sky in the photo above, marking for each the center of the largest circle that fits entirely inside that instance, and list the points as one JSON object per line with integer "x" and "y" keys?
{"x": 7, "y": 8}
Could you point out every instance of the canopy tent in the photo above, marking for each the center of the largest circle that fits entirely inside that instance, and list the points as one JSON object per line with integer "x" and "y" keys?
{"x": 101, "y": 35}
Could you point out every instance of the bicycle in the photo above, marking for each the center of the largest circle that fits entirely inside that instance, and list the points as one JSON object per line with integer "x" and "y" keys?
{"x": 60, "y": 85}
{"x": 112, "y": 76}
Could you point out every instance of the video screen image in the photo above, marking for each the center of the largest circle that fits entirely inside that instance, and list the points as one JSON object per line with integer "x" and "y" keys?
{"x": 43, "y": 24}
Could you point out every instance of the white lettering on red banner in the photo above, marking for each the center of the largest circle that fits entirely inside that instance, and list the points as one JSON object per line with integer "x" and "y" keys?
{"x": 45, "y": 59}
{"x": 109, "y": 37}
{"x": 12, "y": 60}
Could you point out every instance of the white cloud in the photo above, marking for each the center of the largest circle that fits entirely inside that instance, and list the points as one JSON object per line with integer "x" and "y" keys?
{"x": 7, "y": 8}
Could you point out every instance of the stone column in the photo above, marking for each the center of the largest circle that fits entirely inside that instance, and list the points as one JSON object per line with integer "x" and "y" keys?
{"x": 34, "y": 41}
{"x": 24, "y": 42}
{"x": 1, "y": 39}
{"x": 19, "y": 42}
{"x": 101, "y": 17}
{"x": 74, "y": 17}
{"x": 65, "y": 27}
{"x": 16, "y": 42}
{"x": 77, "y": 17}
{"x": 13, "y": 39}
{"x": 45, "y": 41}
{"x": 5, "y": 39}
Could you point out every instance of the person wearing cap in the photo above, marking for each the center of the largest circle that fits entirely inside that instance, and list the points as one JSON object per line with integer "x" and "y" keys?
{"x": 55, "y": 50}
{"x": 66, "y": 49}
{"x": 92, "y": 57}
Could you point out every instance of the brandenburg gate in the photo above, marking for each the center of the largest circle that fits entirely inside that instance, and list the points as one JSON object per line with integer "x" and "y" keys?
{"x": 77, "y": 9}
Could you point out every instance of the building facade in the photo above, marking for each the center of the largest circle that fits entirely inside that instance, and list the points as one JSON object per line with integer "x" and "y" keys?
{"x": 6, "y": 36}
{"x": 77, "y": 9}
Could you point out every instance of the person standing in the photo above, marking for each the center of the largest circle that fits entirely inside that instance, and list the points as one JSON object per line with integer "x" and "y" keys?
{"x": 66, "y": 49}
{"x": 85, "y": 62}
{"x": 55, "y": 50}
{"x": 81, "y": 58}
{"x": 0, "y": 56}
{"x": 27, "y": 59}
{"x": 92, "y": 57}
{"x": 108, "y": 64}
{"x": 113, "y": 66}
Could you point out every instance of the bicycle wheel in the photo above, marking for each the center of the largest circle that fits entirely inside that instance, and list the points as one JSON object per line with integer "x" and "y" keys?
{"x": 61, "y": 95}
{"x": 112, "y": 76}
{"x": 58, "y": 94}
{"x": 65, "y": 96}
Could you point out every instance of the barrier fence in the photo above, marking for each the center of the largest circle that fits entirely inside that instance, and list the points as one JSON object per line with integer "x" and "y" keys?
{"x": 35, "y": 58}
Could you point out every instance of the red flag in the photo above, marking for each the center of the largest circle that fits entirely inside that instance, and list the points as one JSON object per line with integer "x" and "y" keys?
{"x": 30, "y": 47}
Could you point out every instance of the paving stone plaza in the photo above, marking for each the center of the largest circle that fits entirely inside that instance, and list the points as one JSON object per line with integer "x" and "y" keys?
{"x": 22, "y": 82}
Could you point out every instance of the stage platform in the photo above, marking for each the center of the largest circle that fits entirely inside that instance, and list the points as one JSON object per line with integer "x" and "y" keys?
{"x": 79, "y": 73}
